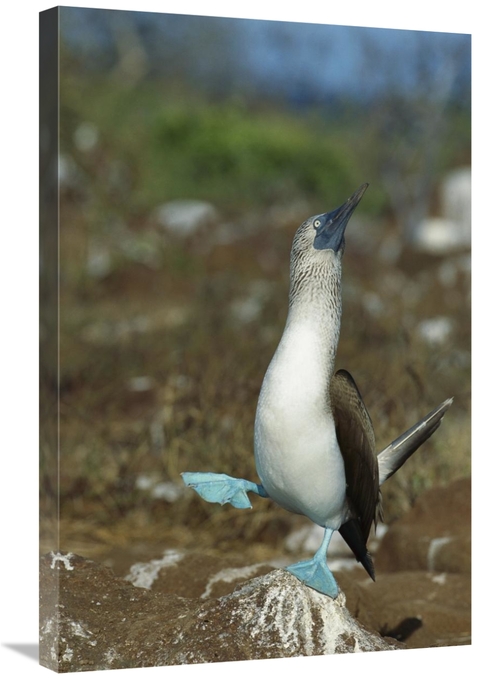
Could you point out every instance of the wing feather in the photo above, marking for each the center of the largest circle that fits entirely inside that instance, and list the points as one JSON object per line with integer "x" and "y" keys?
{"x": 356, "y": 440}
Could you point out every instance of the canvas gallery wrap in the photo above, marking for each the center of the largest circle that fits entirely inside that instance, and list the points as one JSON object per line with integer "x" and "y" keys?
{"x": 254, "y": 339}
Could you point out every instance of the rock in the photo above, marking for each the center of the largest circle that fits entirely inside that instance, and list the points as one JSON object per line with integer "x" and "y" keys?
{"x": 86, "y": 136}
{"x": 92, "y": 620}
{"x": 437, "y": 606}
{"x": 194, "y": 607}
{"x": 436, "y": 235}
{"x": 194, "y": 575}
{"x": 451, "y": 230}
{"x": 456, "y": 192}
{"x": 435, "y": 331}
{"x": 422, "y": 593}
{"x": 98, "y": 621}
{"x": 434, "y": 536}
{"x": 185, "y": 217}
{"x": 277, "y": 616}
{"x": 421, "y": 609}
{"x": 71, "y": 178}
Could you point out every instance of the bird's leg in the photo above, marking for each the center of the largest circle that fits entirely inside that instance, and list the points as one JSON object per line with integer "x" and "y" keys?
{"x": 222, "y": 488}
{"x": 315, "y": 572}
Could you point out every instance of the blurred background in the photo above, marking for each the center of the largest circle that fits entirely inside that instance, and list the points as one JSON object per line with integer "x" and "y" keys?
{"x": 191, "y": 149}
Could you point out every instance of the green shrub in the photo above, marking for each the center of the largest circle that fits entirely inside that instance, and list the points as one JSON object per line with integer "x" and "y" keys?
{"x": 228, "y": 154}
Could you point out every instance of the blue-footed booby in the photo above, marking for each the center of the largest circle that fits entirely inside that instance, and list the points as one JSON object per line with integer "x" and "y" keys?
{"x": 314, "y": 442}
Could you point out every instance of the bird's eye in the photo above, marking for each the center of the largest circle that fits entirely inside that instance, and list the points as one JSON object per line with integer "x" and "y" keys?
{"x": 317, "y": 223}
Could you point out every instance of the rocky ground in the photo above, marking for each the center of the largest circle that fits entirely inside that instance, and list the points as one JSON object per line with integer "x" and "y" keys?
{"x": 189, "y": 606}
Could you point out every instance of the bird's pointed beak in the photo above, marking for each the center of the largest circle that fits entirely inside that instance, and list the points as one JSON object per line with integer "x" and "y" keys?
{"x": 330, "y": 235}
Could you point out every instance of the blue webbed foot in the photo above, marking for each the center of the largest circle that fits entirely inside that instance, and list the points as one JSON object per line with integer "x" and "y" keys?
{"x": 316, "y": 574}
{"x": 222, "y": 488}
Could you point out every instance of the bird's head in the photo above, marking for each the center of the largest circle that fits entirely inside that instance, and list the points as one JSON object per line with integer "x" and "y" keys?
{"x": 318, "y": 246}
{"x": 326, "y": 231}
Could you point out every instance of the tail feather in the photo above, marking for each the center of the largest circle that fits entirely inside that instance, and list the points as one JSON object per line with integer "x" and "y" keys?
{"x": 397, "y": 452}
{"x": 352, "y": 534}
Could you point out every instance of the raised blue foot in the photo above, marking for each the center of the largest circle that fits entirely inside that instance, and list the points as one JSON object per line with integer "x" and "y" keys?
{"x": 315, "y": 572}
{"x": 222, "y": 488}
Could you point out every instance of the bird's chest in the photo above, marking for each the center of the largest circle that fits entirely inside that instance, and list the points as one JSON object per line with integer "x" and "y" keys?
{"x": 294, "y": 437}
{"x": 297, "y": 455}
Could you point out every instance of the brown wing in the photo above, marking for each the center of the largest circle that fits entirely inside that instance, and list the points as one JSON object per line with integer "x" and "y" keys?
{"x": 357, "y": 444}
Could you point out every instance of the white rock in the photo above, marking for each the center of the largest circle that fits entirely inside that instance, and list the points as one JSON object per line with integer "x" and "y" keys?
{"x": 142, "y": 383}
{"x": 451, "y": 230}
{"x": 99, "y": 261}
{"x": 435, "y": 330}
{"x": 86, "y": 136}
{"x": 144, "y": 574}
{"x": 185, "y": 217}
{"x": 278, "y": 611}
{"x": 168, "y": 491}
{"x": 456, "y": 202}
